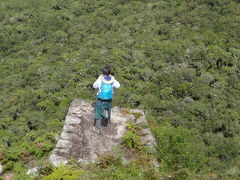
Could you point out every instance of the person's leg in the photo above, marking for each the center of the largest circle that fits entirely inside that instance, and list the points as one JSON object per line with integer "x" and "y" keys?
{"x": 107, "y": 109}
{"x": 98, "y": 124}
{"x": 98, "y": 115}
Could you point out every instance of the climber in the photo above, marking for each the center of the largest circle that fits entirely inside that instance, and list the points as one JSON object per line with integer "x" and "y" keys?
{"x": 105, "y": 85}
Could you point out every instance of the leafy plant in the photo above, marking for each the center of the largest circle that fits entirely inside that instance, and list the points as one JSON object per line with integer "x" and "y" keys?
{"x": 131, "y": 140}
{"x": 64, "y": 172}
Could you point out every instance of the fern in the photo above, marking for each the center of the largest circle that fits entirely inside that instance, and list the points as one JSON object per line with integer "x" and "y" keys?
{"x": 64, "y": 173}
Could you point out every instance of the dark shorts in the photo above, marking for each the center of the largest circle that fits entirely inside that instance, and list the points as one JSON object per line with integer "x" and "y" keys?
{"x": 100, "y": 106}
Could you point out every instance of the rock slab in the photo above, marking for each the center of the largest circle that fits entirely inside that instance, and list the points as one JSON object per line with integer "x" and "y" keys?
{"x": 78, "y": 141}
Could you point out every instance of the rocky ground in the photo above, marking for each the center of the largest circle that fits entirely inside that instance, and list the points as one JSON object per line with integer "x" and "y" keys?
{"x": 78, "y": 141}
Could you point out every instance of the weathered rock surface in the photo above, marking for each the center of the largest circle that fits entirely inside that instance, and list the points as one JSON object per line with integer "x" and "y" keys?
{"x": 33, "y": 172}
{"x": 72, "y": 120}
{"x": 78, "y": 141}
{"x": 56, "y": 160}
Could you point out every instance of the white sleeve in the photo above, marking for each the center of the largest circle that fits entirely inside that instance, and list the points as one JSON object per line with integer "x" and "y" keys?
{"x": 98, "y": 82}
{"x": 116, "y": 84}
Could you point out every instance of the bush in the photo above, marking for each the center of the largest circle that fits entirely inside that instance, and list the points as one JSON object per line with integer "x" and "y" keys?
{"x": 176, "y": 149}
{"x": 131, "y": 140}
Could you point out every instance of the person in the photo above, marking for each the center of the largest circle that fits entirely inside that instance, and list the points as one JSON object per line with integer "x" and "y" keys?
{"x": 105, "y": 85}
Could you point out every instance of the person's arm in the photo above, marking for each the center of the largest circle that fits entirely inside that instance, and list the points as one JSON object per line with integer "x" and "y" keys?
{"x": 98, "y": 82}
{"x": 116, "y": 84}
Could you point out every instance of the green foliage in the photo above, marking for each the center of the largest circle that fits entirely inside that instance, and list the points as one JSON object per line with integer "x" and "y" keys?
{"x": 131, "y": 140}
{"x": 177, "y": 60}
{"x": 110, "y": 166}
{"x": 176, "y": 149}
{"x": 109, "y": 159}
{"x": 64, "y": 172}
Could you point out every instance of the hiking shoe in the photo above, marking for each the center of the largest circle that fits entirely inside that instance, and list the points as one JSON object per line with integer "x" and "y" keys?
{"x": 96, "y": 131}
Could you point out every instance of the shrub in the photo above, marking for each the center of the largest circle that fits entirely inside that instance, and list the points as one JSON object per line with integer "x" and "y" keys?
{"x": 175, "y": 148}
{"x": 131, "y": 140}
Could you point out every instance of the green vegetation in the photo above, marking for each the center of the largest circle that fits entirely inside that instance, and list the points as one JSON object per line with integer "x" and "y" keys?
{"x": 131, "y": 139}
{"x": 176, "y": 150}
{"x": 177, "y": 60}
{"x": 112, "y": 166}
{"x": 63, "y": 172}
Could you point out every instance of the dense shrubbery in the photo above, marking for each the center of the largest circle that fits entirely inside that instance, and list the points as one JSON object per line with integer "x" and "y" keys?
{"x": 178, "y": 60}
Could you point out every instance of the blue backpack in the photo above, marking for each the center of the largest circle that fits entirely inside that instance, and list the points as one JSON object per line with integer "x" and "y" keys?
{"x": 106, "y": 91}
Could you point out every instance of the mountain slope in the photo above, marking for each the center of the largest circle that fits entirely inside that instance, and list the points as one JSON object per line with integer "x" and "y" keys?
{"x": 177, "y": 60}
